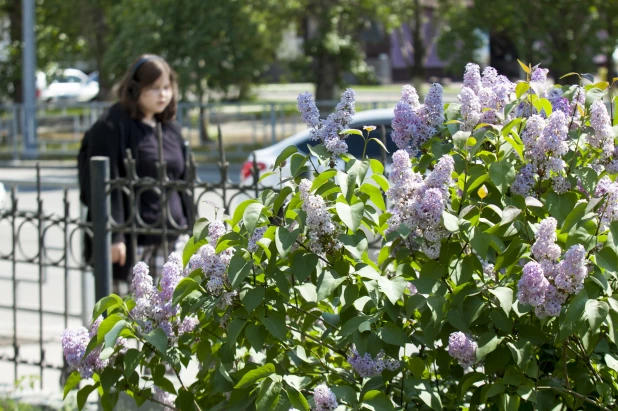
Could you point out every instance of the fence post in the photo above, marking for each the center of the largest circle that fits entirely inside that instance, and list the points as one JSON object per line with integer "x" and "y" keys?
{"x": 273, "y": 123}
{"x": 101, "y": 234}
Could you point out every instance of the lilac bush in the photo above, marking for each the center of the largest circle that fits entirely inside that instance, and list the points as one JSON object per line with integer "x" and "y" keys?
{"x": 479, "y": 273}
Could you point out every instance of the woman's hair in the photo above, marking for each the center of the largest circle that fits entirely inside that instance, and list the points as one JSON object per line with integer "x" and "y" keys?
{"x": 144, "y": 72}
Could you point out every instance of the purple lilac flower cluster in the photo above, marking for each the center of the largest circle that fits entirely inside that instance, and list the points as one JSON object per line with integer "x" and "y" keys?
{"x": 546, "y": 284}
{"x": 153, "y": 306}
{"x": 74, "y": 344}
{"x": 545, "y": 143}
{"x": 462, "y": 348}
{"x": 607, "y": 187}
{"x": 322, "y": 233}
{"x": 328, "y": 131}
{"x": 483, "y": 98}
{"x": 214, "y": 265}
{"x": 257, "y": 235}
{"x": 419, "y": 203}
{"x": 324, "y": 398}
{"x": 366, "y": 366}
{"x": 415, "y": 123}
{"x": 603, "y": 136}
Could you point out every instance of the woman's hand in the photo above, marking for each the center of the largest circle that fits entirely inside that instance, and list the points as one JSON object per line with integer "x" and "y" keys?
{"x": 119, "y": 253}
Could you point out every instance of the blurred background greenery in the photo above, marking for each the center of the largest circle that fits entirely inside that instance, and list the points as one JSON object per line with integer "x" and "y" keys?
{"x": 222, "y": 50}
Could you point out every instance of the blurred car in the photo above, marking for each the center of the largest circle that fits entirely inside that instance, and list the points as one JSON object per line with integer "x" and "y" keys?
{"x": 70, "y": 85}
{"x": 266, "y": 157}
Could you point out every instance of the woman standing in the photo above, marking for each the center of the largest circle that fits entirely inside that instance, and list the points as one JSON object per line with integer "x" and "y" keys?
{"x": 147, "y": 98}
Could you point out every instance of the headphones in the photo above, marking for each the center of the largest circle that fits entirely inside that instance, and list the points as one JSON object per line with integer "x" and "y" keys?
{"x": 132, "y": 87}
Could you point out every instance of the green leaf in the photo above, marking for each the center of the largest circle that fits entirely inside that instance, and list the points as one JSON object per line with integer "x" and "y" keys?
{"x": 252, "y": 297}
{"x": 574, "y": 313}
{"x": 502, "y": 174}
{"x": 391, "y": 334}
{"x": 596, "y": 313}
{"x": 297, "y": 399}
{"x": 106, "y": 303}
{"x": 607, "y": 259}
{"x": 380, "y": 143}
{"x": 251, "y": 216}
{"x": 106, "y": 326}
{"x": 158, "y": 339}
{"x": 350, "y": 214}
{"x": 393, "y": 288}
{"x": 234, "y": 329}
{"x": 612, "y": 238}
{"x": 381, "y": 181}
{"x": 275, "y": 324}
{"x": 285, "y": 239}
{"x": 240, "y": 211}
{"x": 378, "y": 400}
{"x": 72, "y": 382}
{"x": 256, "y": 335}
{"x": 287, "y": 152}
{"x": 451, "y": 222}
{"x": 268, "y": 396}
{"x": 255, "y": 375}
{"x": 467, "y": 381}
{"x": 417, "y": 367}
{"x": 112, "y": 335}
{"x": 509, "y": 214}
{"x": 239, "y": 268}
{"x": 521, "y": 88}
{"x": 352, "y": 131}
{"x": 460, "y": 139}
{"x": 83, "y": 394}
{"x": 505, "y": 296}
{"x": 327, "y": 283}
{"x": 522, "y": 352}
{"x": 524, "y": 67}
{"x": 199, "y": 228}
{"x": 304, "y": 265}
{"x": 308, "y": 292}
{"x": 375, "y": 195}
{"x": 184, "y": 288}
{"x": 560, "y": 205}
{"x": 574, "y": 217}
{"x": 486, "y": 344}
{"x": 432, "y": 399}
{"x": 131, "y": 360}
{"x": 323, "y": 177}
{"x": 185, "y": 400}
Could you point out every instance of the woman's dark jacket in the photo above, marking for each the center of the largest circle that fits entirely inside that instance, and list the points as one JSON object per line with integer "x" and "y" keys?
{"x": 111, "y": 136}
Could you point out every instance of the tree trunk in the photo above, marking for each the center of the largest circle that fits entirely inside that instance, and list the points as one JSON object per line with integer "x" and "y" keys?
{"x": 203, "y": 117}
{"x": 99, "y": 47}
{"x": 15, "y": 17}
{"x": 327, "y": 78}
{"x": 418, "y": 44}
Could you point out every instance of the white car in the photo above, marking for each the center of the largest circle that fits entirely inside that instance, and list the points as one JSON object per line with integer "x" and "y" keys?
{"x": 71, "y": 85}
{"x": 266, "y": 157}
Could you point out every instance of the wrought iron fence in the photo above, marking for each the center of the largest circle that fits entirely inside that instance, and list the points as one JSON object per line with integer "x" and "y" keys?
{"x": 53, "y": 251}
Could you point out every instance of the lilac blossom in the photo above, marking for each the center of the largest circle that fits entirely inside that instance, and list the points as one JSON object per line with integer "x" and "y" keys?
{"x": 171, "y": 276}
{"x": 366, "y": 366}
{"x": 609, "y": 211}
{"x": 573, "y": 271}
{"x": 462, "y": 348}
{"x": 324, "y": 398}
{"x": 255, "y": 237}
{"x": 164, "y": 397}
{"x": 414, "y": 124}
{"x": 545, "y": 247}
{"x": 524, "y": 180}
{"x": 532, "y": 285}
{"x": 322, "y": 231}
{"x": 603, "y": 136}
{"x": 328, "y": 131}
{"x": 472, "y": 77}
{"x": 470, "y": 108}
{"x": 552, "y": 304}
